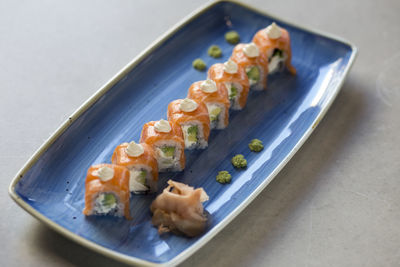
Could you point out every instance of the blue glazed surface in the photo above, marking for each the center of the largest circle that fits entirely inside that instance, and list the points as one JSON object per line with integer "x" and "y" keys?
{"x": 54, "y": 186}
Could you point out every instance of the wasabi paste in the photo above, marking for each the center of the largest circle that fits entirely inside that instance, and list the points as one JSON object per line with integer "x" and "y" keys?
{"x": 214, "y": 51}
{"x": 224, "y": 177}
{"x": 239, "y": 161}
{"x": 232, "y": 37}
{"x": 199, "y": 64}
{"x": 256, "y": 145}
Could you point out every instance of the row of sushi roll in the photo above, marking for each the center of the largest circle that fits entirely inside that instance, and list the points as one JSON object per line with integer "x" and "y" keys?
{"x": 135, "y": 166}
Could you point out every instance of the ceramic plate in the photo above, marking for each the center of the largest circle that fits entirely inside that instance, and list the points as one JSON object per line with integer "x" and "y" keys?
{"x": 51, "y": 185}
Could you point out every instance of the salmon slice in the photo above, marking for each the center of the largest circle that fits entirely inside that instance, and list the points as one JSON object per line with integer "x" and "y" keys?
{"x": 117, "y": 185}
{"x": 221, "y": 78}
{"x": 268, "y": 45}
{"x": 245, "y": 62}
{"x": 199, "y": 115}
{"x": 121, "y": 157}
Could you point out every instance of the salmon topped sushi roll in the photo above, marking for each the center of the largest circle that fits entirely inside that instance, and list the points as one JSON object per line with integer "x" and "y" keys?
{"x": 274, "y": 42}
{"x": 166, "y": 139}
{"x": 142, "y": 164}
{"x": 255, "y": 64}
{"x": 107, "y": 191}
{"x": 192, "y": 116}
{"x": 233, "y": 79}
{"x": 215, "y": 97}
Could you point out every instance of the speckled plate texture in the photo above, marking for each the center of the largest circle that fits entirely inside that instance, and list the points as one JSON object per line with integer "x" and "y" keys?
{"x": 51, "y": 185}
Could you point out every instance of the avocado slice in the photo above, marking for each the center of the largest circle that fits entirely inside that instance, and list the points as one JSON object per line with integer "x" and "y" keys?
{"x": 109, "y": 200}
{"x": 192, "y": 132}
{"x": 169, "y": 151}
{"x": 254, "y": 74}
{"x": 215, "y": 113}
{"x": 233, "y": 93}
{"x": 141, "y": 178}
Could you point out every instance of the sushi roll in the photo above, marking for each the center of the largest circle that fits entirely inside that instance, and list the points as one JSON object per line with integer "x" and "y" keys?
{"x": 193, "y": 119}
{"x": 233, "y": 79}
{"x": 166, "y": 139}
{"x": 107, "y": 191}
{"x": 215, "y": 97}
{"x": 274, "y": 42}
{"x": 142, "y": 164}
{"x": 255, "y": 64}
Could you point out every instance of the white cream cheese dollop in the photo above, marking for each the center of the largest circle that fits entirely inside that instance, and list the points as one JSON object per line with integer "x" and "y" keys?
{"x": 230, "y": 67}
{"x": 188, "y": 105}
{"x": 208, "y": 86}
{"x": 273, "y": 31}
{"x": 134, "y": 150}
{"x": 104, "y": 173}
{"x": 251, "y": 50}
{"x": 162, "y": 126}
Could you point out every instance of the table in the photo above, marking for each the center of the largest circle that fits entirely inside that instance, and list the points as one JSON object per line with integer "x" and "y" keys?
{"x": 337, "y": 202}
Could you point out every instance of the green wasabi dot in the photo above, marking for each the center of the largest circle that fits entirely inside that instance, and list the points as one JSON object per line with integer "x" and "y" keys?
{"x": 214, "y": 51}
{"x": 224, "y": 177}
{"x": 239, "y": 161}
{"x": 256, "y": 145}
{"x": 232, "y": 37}
{"x": 199, "y": 64}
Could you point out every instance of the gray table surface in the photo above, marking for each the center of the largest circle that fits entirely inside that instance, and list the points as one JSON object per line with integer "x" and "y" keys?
{"x": 337, "y": 202}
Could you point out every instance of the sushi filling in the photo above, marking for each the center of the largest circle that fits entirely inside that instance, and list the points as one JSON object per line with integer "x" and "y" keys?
{"x": 216, "y": 119}
{"x": 276, "y": 60}
{"x": 234, "y": 92}
{"x": 253, "y": 73}
{"x": 167, "y": 154}
{"x": 138, "y": 181}
{"x": 106, "y": 203}
{"x": 168, "y": 157}
{"x": 190, "y": 133}
{"x": 193, "y": 135}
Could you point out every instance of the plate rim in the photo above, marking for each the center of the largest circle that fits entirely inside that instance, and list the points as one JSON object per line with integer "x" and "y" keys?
{"x": 119, "y": 76}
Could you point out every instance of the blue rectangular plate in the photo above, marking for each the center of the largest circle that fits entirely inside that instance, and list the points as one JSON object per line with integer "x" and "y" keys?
{"x": 51, "y": 184}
